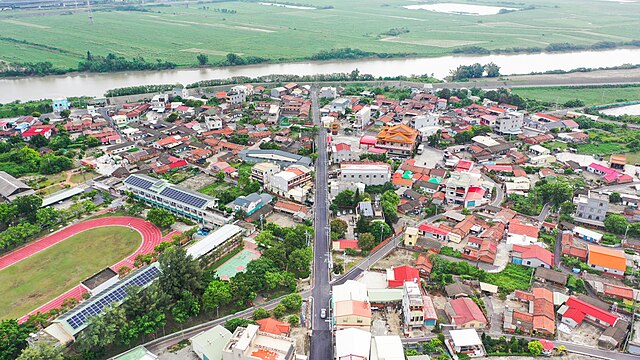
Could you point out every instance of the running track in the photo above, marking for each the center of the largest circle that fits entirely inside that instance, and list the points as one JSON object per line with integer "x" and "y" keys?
{"x": 151, "y": 236}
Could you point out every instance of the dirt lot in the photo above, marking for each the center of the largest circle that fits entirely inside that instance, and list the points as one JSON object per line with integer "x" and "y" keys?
{"x": 281, "y": 219}
{"x": 198, "y": 182}
{"x": 347, "y": 261}
{"x": 397, "y": 258}
{"x": 584, "y": 334}
{"x": 300, "y": 334}
{"x": 387, "y": 322}
{"x": 439, "y": 300}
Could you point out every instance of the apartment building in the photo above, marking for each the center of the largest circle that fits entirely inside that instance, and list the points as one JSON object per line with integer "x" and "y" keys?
{"x": 293, "y": 176}
{"x": 262, "y": 172}
{"x": 412, "y": 305}
{"x": 176, "y": 199}
{"x": 458, "y": 185}
{"x": 509, "y": 123}
{"x": 591, "y": 209}
{"x": 370, "y": 173}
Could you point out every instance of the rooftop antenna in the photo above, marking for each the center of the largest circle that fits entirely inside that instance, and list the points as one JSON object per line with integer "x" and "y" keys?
{"x": 90, "y": 12}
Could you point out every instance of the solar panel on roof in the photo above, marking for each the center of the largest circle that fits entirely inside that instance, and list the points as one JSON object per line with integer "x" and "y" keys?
{"x": 138, "y": 182}
{"x": 183, "y": 197}
{"x": 91, "y": 308}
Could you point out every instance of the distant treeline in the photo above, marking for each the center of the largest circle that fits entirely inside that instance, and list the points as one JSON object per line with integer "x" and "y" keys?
{"x": 556, "y": 47}
{"x": 350, "y": 54}
{"x": 235, "y": 60}
{"x": 395, "y": 31}
{"x": 620, "y": 67}
{"x": 142, "y": 89}
{"x": 112, "y": 62}
{"x": 17, "y": 108}
{"x": 31, "y": 69}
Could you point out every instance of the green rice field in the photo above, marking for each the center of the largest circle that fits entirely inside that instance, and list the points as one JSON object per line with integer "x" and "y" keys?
{"x": 178, "y": 32}
{"x": 590, "y": 96}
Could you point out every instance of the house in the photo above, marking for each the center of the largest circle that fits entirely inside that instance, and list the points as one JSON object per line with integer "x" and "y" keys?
{"x": 344, "y": 244}
{"x": 273, "y": 326}
{"x": 340, "y": 105}
{"x": 457, "y": 290}
{"x": 396, "y": 277}
{"x": 352, "y": 314}
{"x": 591, "y": 209}
{"x": 433, "y": 232}
{"x": 466, "y": 342}
{"x": 328, "y": 93}
{"x": 575, "y": 311}
{"x": 251, "y": 203}
{"x": 570, "y": 249}
{"x": 479, "y": 249}
{"x": 282, "y": 158}
{"x": 465, "y": 313}
{"x": 552, "y": 277}
{"x": 278, "y": 92}
{"x": 540, "y": 317}
{"x": 397, "y": 140}
{"x": 521, "y": 234}
{"x": 137, "y": 353}
{"x": 617, "y": 162}
{"x": 609, "y": 175}
{"x": 587, "y": 234}
{"x": 208, "y": 344}
{"x": 250, "y": 343}
{"x": 42, "y": 130}
{"x": 458, "y": 186}
{"x": 412, "y": 305}
{"x": 532, "y": 256}
{"x": 295, "y": 176}
{"x": 341, "y": 152}
{"x": 59, "y": 105}
{"x": 411, "y": 236}
{"x": 424, "y": 265}
{"x": 539, "y": 150}
{"x": 368, "y": 173}
{"x": 262, "y": 172}
{"x": 609, "y": 261}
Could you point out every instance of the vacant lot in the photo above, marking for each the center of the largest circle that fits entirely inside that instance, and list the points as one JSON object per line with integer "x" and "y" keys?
{"x": 513, "y": 277}
{"x": 278, "y": 33}
{"x": 49, "y": 273}
{"x": 590, "y": 96}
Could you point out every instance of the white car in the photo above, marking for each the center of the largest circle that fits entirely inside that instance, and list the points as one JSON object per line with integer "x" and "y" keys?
{"x": 323, "y": 313}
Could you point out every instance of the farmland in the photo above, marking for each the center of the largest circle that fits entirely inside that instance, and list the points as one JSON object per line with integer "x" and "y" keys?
{"x": 590, "y": 96}
{"x": 178, "y": 32}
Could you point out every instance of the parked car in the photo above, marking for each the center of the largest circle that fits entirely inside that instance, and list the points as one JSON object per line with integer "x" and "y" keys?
{"x": 323, "y": 313}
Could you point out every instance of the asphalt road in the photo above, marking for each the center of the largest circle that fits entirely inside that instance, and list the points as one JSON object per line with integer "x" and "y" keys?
{"x": 321, "y": 336}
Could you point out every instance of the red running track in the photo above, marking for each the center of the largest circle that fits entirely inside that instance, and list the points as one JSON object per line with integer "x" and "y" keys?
{"x": 151, "y": 236}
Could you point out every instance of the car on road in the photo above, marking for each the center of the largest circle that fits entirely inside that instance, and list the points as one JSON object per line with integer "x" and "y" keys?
{"x": 323, "y": 313}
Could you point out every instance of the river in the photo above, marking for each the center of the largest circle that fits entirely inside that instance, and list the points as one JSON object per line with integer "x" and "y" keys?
{"x": 96, "y": 84}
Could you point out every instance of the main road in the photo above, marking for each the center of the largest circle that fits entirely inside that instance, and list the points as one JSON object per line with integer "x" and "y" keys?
{"x": 321, "y": 337}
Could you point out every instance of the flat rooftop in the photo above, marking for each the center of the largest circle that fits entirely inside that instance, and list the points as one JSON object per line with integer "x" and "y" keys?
{"x": 99, "y": 278}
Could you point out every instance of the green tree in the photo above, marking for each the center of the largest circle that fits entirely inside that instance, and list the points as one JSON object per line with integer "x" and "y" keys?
{"x": 172, "y": 117}
{"x": 391, "y": 197}
{"x": 616, "y": 223}
{"x": 339, "y": 227}
{"x": 38, "y": 141}
{"x": 233, "y": 324}
{"x": 492, "y": 70}
{"x": 42, "y": 351}
{"x": 13, "y": 338}
{"x": 293, "y": 302}
{"x": 265, "y": 239}
{"x": 103, "y": 330}
{"x": 366, "y": 242}
{"x": 47, "y": 216}
{"x": 180, "y": 272}
{"x": 345, "y": 199}
{"x": 294, "y": 320}
{"x": 300, "y": 261}
{"x": 260, "y": 313}
{"x": 390, "y": 212}
{"x": 161, "y": 218}
{"x": 27, "y": 206}
{"x": 65, "y": 113}
{"x": 202, "y": 59}
{"x": 535, "y": 347}
{"x": 615, "y": 198}
{"x": 279, "y": 311}
{"x": 218, "y": 293}
{"x": 380, "y": 230}
{"x": 186, "y": 307}
{"x": 220, "y": 176}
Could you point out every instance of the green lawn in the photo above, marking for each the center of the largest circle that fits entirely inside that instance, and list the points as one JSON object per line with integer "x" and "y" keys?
{"x": 280, "y": 33}
{"x": 633, "y": 157}
{"x": 214, "y": 189}
{"x": 555, "y": 145}
{"x": 601, "y": 149}
{"x": 513, "y": 277}
{"x": 82, "y": 177}
{"x": 49, "y": 273}
{"x": 50, "y": 190}
{"x": 595, "y": 96}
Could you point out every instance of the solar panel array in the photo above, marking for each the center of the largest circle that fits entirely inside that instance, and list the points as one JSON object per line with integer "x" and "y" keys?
{"x": 139, "y": 182}
{"x": 184, "y": 197}
{"x": 78, "y": 318}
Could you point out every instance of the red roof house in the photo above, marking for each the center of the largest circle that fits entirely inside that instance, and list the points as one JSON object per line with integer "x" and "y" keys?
{"x": 465, "y": 313}
{"x": 397, "y": 276}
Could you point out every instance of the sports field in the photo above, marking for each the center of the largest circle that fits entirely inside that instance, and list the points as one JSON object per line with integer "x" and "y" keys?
{"x": 178, "y": 32}
{"x": 590, "y": 96}
{"x": 39, "y": 278}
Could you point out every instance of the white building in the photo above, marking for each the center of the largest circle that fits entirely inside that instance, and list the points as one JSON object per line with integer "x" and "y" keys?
{"x": 159, "y": 102}
{"x": 292, "y": 177}
{"x": 591, "y": 208}
{"x": 341, "y": 152}
{"x": 209, "y": 344}
{"x": 278, "y": 92}
{"x": 236, "y": 97}
{"x": 262, "y": 172}
{"x": 422, "y": 121}
{"x": 587, "y": 234}
{"x": 120, "y": 119}
{"x": 363, "y": 116}
{"x": 340, "y": 105}
{"x": 366, "y": 173}
{"x": 510, "y": 123}
{"x": 458, "y": 184}
{"x": 412, "y": 305}
{"x": 539, "y": 150}
{"x": 219, "y": 238}
{"x": 251, "y": 344}
{"x": 466, "y": 341}
{"x": 328, "y": 93}
{"x": 352, "y": 344}
{"x": 350, "y": 290}
{"x": 386, "y": 348}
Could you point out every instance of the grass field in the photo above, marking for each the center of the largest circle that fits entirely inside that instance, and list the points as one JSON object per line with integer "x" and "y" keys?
{"x": 49, "y": 273}
{"x": 178, "y": 32}
{"x": 513, "y": 277}
{"x": 601, "y": 148}
{"x": 597, "y": 96}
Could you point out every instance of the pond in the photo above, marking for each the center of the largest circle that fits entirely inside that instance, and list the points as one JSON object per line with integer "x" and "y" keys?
{"x": 462, "y": 9}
